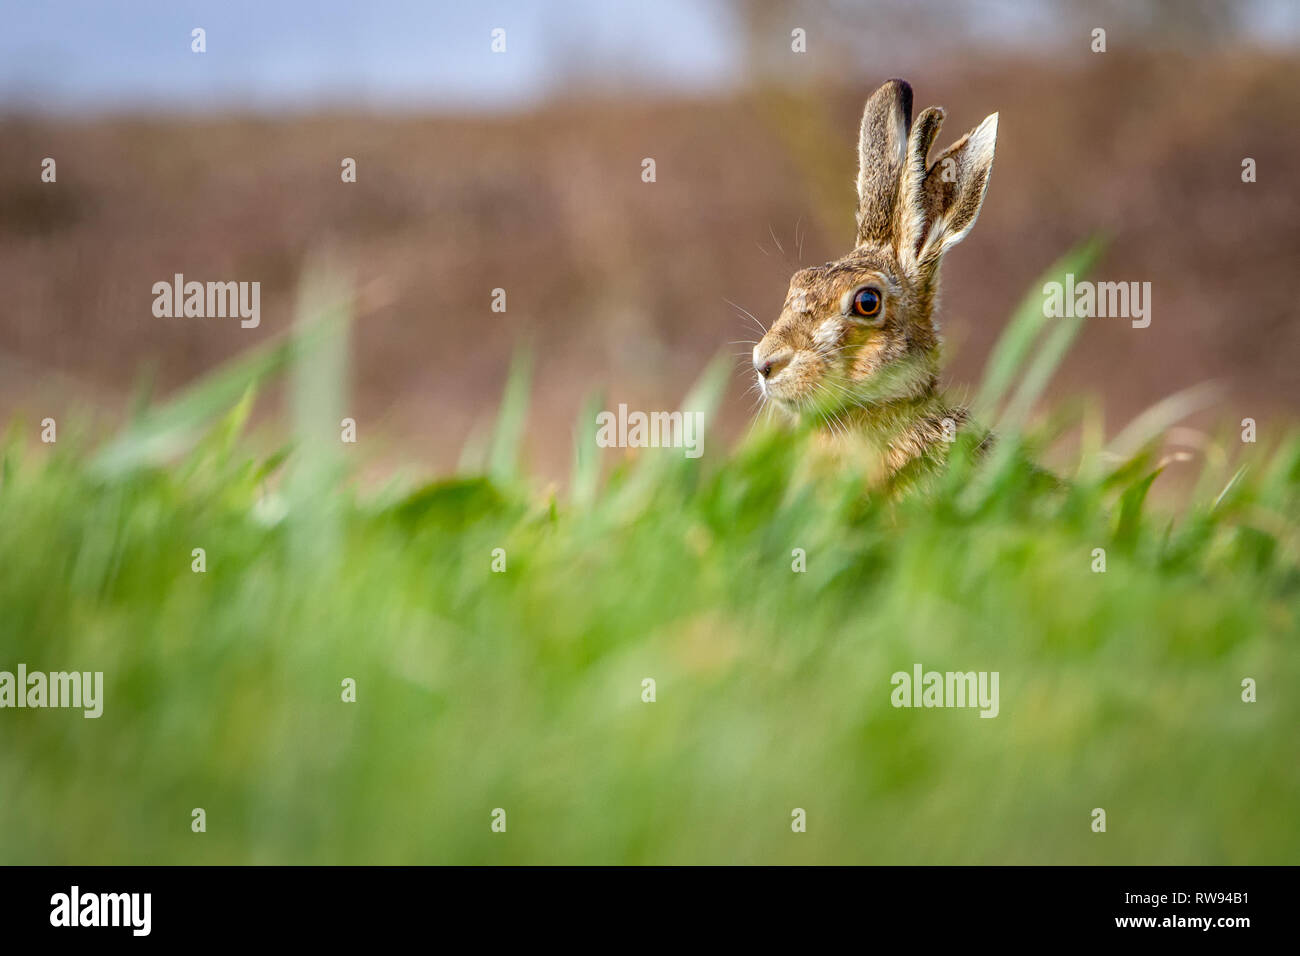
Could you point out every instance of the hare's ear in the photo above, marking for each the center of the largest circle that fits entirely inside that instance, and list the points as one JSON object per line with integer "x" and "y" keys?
{"x": 954, "y": 188}
{"x": 882, "y": 149}
{"x": 913, "y": 216}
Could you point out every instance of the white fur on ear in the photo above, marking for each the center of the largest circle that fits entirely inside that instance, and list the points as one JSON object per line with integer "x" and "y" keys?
{"x": 912, "y": 205}
{"x": 974, "y": 169}
{"x": 983, "y": 141}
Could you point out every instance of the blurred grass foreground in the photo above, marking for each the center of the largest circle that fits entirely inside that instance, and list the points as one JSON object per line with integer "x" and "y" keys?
{"x": 500, "y": 641}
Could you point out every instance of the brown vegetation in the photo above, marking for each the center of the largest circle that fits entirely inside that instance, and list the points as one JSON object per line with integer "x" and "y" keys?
{"x": 623, "y": 286}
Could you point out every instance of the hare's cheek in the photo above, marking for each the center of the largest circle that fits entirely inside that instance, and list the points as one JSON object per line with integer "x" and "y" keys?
{"x": 828, "y": 334}
{"x": 868, "y": 359}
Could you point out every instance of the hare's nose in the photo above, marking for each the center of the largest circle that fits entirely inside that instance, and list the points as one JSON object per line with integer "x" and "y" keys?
{"x": 767, "y": 367}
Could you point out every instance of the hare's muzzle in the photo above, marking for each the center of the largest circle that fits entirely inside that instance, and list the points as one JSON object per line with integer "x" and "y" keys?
{"x": 767, "y": 366}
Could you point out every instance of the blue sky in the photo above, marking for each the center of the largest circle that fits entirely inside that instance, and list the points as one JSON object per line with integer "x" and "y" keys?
{"x": 91, "y": 55}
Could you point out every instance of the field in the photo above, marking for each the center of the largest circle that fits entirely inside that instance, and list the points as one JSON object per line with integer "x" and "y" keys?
{"x": 522, "y": 689}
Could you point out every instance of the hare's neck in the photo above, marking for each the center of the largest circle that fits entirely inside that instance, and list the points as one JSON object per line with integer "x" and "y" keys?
{"x": 908, "y": 428}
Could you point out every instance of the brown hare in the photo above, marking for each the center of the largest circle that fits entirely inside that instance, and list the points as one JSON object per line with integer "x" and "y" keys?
{"x": 855, "y": 349}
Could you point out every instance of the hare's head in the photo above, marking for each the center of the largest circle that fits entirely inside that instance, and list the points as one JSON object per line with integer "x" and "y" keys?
{"x": 859, "y": 331}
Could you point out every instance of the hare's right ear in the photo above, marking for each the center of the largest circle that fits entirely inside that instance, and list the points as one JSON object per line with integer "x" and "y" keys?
{"x": 953, "y": 191}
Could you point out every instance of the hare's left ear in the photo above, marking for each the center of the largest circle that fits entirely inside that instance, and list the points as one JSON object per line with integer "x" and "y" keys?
{"x": 951, "y": 192}
{"x": 882, "y": 152}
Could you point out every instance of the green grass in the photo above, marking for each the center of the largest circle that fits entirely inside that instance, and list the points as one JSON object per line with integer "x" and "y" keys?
{"x": 523, "y": 690}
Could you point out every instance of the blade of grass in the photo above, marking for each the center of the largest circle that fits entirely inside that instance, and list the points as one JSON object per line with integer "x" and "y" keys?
{"x": 1027, "y": 322}
{"x": 586, "y": 459}
{"x": 1040, "y": 371}
{"x": 503, "y": 458}
{"x": 1232, "y": 483}
{"x": 168, "y": 429}
{"x": 1129, "y": 523}
{"x": 1155, "y": 420}
{"x": 318, "y": 395}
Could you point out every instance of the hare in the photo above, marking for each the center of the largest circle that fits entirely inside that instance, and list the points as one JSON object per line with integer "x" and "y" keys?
{"x": 855, "y": 349}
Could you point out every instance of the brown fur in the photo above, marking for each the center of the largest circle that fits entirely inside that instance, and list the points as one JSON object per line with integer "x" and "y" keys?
{"x": 877, "y": 379}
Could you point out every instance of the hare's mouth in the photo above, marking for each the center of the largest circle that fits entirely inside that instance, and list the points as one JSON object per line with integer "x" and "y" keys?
{"x": 786, "y": 403}
{"x": 802, "y": 387}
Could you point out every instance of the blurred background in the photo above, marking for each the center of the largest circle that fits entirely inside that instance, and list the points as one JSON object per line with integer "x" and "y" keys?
{"x": 522, "y": 170}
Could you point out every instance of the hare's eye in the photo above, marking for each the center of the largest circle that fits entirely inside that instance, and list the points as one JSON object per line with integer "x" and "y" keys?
{"x": 866, "y": 303}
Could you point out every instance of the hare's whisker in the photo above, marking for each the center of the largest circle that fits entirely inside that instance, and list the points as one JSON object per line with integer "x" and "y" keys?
{"x": 772, "y": 233}
{"x": 747, "y": 313}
